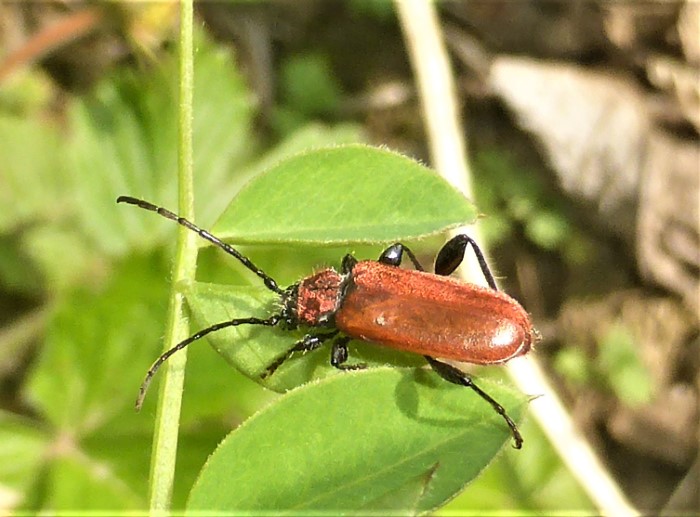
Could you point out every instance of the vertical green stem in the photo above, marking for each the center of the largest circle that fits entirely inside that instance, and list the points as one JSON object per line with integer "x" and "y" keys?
{"x": 170, "y": 398}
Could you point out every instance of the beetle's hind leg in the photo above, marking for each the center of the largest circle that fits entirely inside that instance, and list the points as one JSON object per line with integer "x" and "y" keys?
{"x": 452, "y": 254}
{"x": 306, "y": 344}
{"x": 456, "y": 376}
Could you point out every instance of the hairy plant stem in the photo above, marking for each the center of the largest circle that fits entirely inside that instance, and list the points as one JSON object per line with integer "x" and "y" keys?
{"x": 165, "y": 438}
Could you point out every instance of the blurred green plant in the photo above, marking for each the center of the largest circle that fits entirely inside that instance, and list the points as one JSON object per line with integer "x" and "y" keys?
{"x": 377, "y": 9}
{"x": 71, "y": 440}
{"x": 620, "y": 363}
{"x": 513, "y": 197}
{"x": 617, "y": 367}
{"x": 102, "y": 273}
{"x": 309, "y": 91}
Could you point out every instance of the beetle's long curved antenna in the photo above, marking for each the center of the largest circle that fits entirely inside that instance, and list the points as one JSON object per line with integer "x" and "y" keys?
{"x": 456, "y": 376}
{"x": 267, "y": 279}
{"x": 269, "y": 322}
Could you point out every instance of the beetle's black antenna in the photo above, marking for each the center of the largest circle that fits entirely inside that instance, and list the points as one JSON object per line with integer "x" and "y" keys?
{"x": 269, "y": 322}
{"x": 268, "y": 280}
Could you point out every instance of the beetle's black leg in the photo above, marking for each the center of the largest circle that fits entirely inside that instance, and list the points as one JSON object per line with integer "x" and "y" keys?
{"x": 269, "y": 322}
{"x": 452, "y": 254}
{"x": 456, "y": 376}
{"x": 393, "y": 256}
{"x": 306, "y": 344}
{"x": 339, "y": 354}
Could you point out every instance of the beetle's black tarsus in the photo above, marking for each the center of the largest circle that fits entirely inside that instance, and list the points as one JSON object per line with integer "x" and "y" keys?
{"x": 452, "y": 254}
{"x": 339, "y": 354}
{"x": 456, "y": 376}
{"x": 267, "y": 322}
{"x": 393, "y": 256}
{"x": 306, "y": 344}
{"x": 267, "y": 280}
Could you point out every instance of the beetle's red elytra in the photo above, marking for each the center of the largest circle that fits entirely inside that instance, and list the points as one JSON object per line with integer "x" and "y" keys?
{"x": 433, "y": 315}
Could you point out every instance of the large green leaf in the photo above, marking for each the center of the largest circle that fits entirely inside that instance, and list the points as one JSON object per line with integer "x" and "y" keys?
{"x": 346, "y": 194}
{"x": 353, "y": 442}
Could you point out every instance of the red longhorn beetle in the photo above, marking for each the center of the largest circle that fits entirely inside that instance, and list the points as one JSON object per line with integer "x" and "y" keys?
{"x": 429, "y": 314}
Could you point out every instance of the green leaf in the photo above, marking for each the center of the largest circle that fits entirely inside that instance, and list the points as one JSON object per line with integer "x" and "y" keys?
{"x": 353, "y": 441}
{"x": 335, "y": 219}
{"x": 348, "y": 194}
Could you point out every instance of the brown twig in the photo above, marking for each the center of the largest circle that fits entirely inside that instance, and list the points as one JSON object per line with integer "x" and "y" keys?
{"x": 66, "y": 30}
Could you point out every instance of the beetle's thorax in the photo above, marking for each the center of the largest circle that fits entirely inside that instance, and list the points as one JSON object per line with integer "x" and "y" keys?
{"x": 314, "y": 300}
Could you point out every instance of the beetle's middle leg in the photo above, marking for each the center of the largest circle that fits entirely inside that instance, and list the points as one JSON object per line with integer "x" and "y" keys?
{"x": 393, "y": 255}
{"x": 339, "y": 354}
{"x": 306, "y": 344}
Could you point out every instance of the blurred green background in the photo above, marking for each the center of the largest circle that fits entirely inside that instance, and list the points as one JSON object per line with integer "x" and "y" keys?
{"x": 88, "y": 111}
